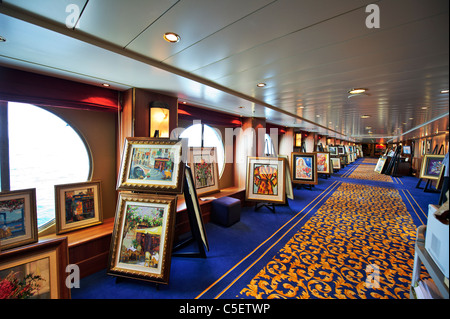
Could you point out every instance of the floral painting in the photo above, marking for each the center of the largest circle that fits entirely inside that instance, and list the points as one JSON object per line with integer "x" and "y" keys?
{"x": 203, "y": 163}
{"x": 323, "y": 163}
{"x": 204, "y": 172}
{"x": 304, "y": 168}
{"x": 29, "y": 280}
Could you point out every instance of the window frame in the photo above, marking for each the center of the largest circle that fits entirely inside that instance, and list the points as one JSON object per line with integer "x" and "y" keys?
{"x": 5, "y": 155}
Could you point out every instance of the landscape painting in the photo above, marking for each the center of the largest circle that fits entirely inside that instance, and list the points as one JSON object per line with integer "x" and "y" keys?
{"x": 78, "y": 205}
{"x": 142, "y": 238}
{"x": 18, "y": 220}
{"x": 151, "y": 165}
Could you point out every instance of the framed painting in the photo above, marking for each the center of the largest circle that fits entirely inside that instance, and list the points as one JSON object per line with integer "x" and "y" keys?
{"x": 190, "y": 194}
{"x": 142, "y": 239}
{"x": 333, "y": 150}
{"x": 152, "y": 165}
{"x": 35, "y": 271}
{"x": 323, "y": 163}
{"x": 341, "y": 150}
{"x": 336, "y": 163}
{"x": 266, "y": 180}
{"x": 380, "y": 164}
{"x": 203, "y": 163}
{"x": 304, "y": 168}
{"x": 18, "y": 218}
{"x": 289, "y": 189}
{"x": 431, "y": 166}
{"x": 78, "y": 205}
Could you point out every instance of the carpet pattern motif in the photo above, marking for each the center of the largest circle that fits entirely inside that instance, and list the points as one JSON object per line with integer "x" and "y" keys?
{"x": 367, "y": 172}
{"x": 359, "y": 244}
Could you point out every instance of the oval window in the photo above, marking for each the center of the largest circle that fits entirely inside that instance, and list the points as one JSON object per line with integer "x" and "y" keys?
{"x": 44, "y": 151}
{"x": 211, "y": 138}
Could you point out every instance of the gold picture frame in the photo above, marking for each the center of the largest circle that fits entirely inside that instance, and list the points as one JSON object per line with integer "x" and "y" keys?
{"x": 142, "y": 239}
{"x": 431, "y": 166}
{"x": 150, "y": 164}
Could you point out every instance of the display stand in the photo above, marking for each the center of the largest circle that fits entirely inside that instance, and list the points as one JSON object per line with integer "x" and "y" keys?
{"x": 393, "y": 163}
{"x": 421, "y": 256}
{"x": 196, "y": 236}
{"x": 270, "y": 206}
{"x": 426, "y": 189}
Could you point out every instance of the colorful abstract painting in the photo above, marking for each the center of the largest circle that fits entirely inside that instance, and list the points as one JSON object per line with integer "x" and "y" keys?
{"x": 266, "y": 179}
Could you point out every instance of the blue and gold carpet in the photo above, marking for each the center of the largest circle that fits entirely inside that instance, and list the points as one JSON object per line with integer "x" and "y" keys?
{"x": 349, "y": 237}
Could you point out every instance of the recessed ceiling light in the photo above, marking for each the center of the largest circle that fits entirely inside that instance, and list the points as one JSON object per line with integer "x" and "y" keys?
{"x": 2, "y": 39}
{"x": 261, "y": 84}
{"x": 444, "y": 91}
{"x": 411, "y": 118}
{"x": 424, "y": 108}
{"x": 365, "y": 116}
{"x": 357, "y": 91}
{"x": 105, "y": 84}
{"x": 171, "y": 37}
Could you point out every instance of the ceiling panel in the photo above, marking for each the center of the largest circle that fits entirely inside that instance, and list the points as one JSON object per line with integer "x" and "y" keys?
{"x": 310, "y": 53}
{"x": 193, "y": 20}
{"x": 119, "y": 21}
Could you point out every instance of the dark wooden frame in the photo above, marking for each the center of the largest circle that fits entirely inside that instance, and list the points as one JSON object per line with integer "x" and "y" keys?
{"x": 62, "y": 257}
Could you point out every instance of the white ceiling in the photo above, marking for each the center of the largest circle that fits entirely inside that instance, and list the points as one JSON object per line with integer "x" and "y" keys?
{"x": 310, "y": 53}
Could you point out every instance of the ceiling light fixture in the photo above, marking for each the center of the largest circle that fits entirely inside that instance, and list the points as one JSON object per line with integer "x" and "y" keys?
{"x": 357, "y": 91}
{"x": 261, "y": 84}
{"x": 171, "y": 37}
{"x": 444, "y": 91}
{"x": 365, "y": 116}
{"x": 106, "y": 85}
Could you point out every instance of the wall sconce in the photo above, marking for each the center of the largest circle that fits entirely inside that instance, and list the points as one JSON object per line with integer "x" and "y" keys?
{"x": 159, "y": 119}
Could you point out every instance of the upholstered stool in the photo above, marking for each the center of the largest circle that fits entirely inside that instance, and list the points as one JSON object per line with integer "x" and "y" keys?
{"x": 226, "y": 211}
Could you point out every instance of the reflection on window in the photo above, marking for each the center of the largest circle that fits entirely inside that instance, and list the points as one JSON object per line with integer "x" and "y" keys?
{"x": 211, "y": 138}
{"x": 44, "y": 151}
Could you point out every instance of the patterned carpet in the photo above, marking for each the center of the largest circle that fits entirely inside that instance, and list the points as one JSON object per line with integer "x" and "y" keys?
{"x": 367, "y": 172}
{"x": 359, "y": 244}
